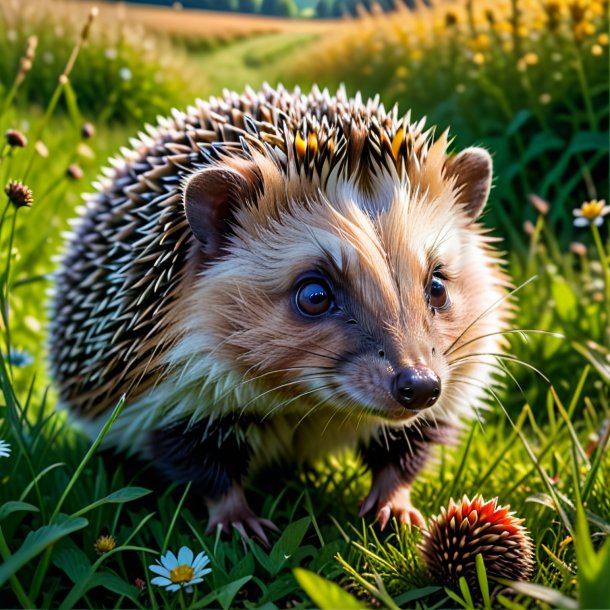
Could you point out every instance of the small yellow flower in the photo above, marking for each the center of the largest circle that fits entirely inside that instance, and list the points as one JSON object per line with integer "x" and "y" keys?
{"x": 603, "y": 39}
{"x": 416, "y": 54}
{"x": 597, "y": 50}
{"x": 545, "y": 98}
{"x": 104, "y": 544}
{"x": 591, "y": 213}
{"x": 531, "y": 59}
{"x": 400, "y": 72}
{"x": 478, "y": 58}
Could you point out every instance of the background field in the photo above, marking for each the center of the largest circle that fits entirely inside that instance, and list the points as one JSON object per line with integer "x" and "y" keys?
{"x": 528, "y": 80}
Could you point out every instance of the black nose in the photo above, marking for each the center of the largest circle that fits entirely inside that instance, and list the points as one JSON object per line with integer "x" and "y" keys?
{"x": 416, "y": 387}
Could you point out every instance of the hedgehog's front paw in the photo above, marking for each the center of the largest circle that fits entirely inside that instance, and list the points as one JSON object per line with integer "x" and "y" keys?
{"x": 232, "y": 511}
{"x": 391, "y": 496}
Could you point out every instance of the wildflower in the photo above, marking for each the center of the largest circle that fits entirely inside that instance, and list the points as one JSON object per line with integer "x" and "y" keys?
{"x": 180, "y": 572}
{"x": 528, "y": 228}
{"x": 104, "y": 543}
{"x": 87, "y": 130}
{"x": 400, "y": 72}
{"x": 542, "y": 206}
{"x": 19, "y": 194}
{"x": 469, "y": 528}
{"x": 603, "y": 39}
{"x": 478, "y": 58}
{"x": 41, "y": 148}
{"x": 74, "y": 171}
{"x": 5, "y": 449}
{"x": 125, "y": 73}
{"x": 578, "y": 248}
{"x": 597, "y": 50}
{"x": 545, "y": 98}
{"x": 451, "y": 19}
{"x": 591, "y": 213}
{"x": 15, "y": 138}
{"x": 19, "y": 358}
{"x": 530, "y": 59}
{"x": 111, "y": 53}
{"x": 140, "y": 583}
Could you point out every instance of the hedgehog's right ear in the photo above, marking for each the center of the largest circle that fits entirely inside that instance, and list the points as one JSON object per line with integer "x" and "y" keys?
{"x": 472, "y": 170}
{"x": 210, "y": 199}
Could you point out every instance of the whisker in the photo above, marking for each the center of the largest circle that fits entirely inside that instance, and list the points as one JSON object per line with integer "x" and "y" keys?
{"x": 282, "y": 386}
{"x": 291, "y": 400}
{"x": 487, "y": 311}
{"x": 518, "y": 331}
{"x": 501, "y": 357}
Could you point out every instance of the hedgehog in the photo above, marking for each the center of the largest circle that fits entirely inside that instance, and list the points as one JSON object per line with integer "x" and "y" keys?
{"x": 273, "y": 276}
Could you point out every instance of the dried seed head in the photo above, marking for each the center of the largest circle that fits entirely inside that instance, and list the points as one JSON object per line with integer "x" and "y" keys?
{"x": 15, "y": 138}
{"x": 468, "y": 528}
{"x": 542, "y": 206}
{"x": 88, "y": 130}
{"x": 74, "y": 172}
{"x": 19, "y": 194}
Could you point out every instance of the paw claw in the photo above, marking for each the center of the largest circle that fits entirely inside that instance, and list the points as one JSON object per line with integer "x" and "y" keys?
{"x": 384, "y": 515}
{"x": 231, "y": 511}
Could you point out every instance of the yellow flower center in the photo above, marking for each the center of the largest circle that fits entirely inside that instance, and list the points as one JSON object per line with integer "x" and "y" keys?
{"x": 592, "y": 209}
{"x": 104, "y": 544}
{"x": 181, "y": 574}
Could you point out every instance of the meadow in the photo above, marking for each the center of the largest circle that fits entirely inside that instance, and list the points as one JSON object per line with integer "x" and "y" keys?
{"x": 526, "y": 79}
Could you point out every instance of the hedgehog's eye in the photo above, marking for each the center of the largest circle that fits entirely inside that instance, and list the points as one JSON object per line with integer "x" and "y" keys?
{"x": 313, "y": 297}
{"x": 438, "y": 297}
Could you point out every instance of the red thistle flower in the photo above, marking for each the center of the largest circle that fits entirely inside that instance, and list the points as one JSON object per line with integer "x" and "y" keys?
{"x": 468, "y": 528}
{"x": 19, "y": 194}
{"x": 15, "y": 138}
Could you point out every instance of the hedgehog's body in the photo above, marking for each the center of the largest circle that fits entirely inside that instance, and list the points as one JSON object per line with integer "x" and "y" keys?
{"x": 270, "y": 276}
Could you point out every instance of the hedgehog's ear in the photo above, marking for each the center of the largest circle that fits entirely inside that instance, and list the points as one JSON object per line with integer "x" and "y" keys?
{"x": 210, "y": 199}
{"x": 472, "y": 172}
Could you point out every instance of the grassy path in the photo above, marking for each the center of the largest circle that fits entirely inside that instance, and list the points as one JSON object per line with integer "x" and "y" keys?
{"x": 251, "y": 61}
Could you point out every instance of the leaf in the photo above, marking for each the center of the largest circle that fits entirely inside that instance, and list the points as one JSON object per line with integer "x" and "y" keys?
{"x": 224, "y": 596}
{"x": 37, "y": 541}
{"x": 121, "y": 496}
{"x": 288, "y": 543}
{"x": 325, "y": 594}
{"x": 414, "y": 594}
{"x": 542, "y": 593}
{"x": 114, "y": 583}
{"x": 518, "y": 121}
{"x": 11, "y": 507}
{"x": 597, "y": 355}
{"x": 73, "y": 562}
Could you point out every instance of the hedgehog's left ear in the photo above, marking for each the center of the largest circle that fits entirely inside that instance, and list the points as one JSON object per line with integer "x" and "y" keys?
{"x": 472, "y": 170}
{"x": 211, "y": 198}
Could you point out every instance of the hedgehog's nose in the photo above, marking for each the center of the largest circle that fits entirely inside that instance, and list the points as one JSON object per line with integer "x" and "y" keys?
{"x": 416, "y": 387}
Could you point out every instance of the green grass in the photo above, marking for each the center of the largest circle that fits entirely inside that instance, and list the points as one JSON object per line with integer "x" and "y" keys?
{"x": 542, "y": 447}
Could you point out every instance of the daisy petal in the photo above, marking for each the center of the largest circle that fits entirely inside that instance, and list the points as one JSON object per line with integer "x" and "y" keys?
{"x": 185, "y": 556}
{"x": 160, "y": 581}
{"x": 598, "y": 221}
{"x": 169, "y": 560}
{"x": 201, "y": 561}
{"x": 577, "y": 212}
{"x": 159, "y": 570}
{"x": 581, "y": 222}
{"x": 173, "y": 588}
{"x": 195, "y": 581}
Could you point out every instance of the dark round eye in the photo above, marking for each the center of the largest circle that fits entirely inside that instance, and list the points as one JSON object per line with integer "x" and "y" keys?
{"x": 313, "y": 297}
{"x": 437, "y": 293}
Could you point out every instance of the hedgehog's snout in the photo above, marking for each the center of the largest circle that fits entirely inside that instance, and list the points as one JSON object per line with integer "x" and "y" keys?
{"x": 416, "y": 387}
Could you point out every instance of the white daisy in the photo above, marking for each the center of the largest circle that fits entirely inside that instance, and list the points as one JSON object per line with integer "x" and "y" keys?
{"x": 5, "y": 449}
{"x": 591, "y": 212}
{"x": 180, "y": 572}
